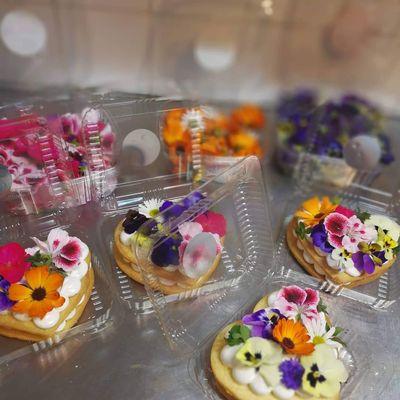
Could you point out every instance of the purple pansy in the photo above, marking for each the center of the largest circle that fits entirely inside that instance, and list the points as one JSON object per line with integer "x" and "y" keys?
{"x": 172, "y": 210}
{"x": 192, "y": 199}
{"x": 5, "y": 302}
{"x": 262, "y": 322}
{"x": 319, "y": 237}
{"x": 292, "y": 373}
{"x": 363, "y": 262}
{"x": 166, "y": 252}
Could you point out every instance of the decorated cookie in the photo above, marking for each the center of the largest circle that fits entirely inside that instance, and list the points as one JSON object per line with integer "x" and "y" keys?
{"x": 287, "y": 348}
{"x": 44, "y": 289}
{"x": 347, "y": 247}
{"x": 182, "y": 256}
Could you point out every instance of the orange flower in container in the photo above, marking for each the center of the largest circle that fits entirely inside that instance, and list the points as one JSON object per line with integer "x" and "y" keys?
{"x": 214, "y": 146}
{"x": 244, "y": 144}
{"x": 249, "y": 115}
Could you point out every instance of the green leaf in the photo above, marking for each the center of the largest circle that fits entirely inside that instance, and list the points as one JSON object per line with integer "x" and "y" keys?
{"x": 338, "y": 331}
{"x": 321, "y": 307}
{"x": 301, "y": 230}
{"x": 39, "y": 259}
{"x": 339, "y": 340}
{"x": 238, "y": 334}
{"x": 336, "y": 200}
{"x": 396, "y": 250}
{"x": 362, "y": 215}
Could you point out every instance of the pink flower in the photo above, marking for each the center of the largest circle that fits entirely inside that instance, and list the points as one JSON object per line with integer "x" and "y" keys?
{"x": 297, "y": 303}
{"x": 66, "y": 252}
{"x": 13, "y": 262}
{"x": 212, "y": 222}
{"x": 344, "y": 211}
{"x": 71, "y": 124}
{"x": 357, "y": 232}
{"x": 188, "y": 230}
{"x": 336, "y": 224}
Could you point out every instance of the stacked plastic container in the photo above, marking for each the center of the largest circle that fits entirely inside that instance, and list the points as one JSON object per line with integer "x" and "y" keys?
{"x": 242, "y": 264}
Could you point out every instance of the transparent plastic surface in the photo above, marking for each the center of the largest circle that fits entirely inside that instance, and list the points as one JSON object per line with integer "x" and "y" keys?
{"x": 33, "y": 161}
{"x": 378, "y": 294}
{"x": 368, "y": 375}
{"x": 247, "y": 249}
{"x": 100, "y": 311}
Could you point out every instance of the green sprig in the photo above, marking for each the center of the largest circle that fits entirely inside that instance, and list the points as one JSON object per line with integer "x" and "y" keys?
{"x": 238, "y": 334}
{"x": 301, "y": 230}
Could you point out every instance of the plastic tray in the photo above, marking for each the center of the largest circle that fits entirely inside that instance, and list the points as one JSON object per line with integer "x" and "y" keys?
{"x": 365, "y": 367}
{"x": 239, "y": 195}
{"x": 379, "y": 294}
{"x": 100, "y": 312}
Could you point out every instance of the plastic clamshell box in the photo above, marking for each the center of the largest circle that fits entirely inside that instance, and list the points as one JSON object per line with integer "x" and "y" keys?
{"x": 100, "y": 312}
{"x": 385, "y": 290}
{"x": 34, "y": 176}
{"x": 239, "y": 195}
{"x": 364, "y": 357}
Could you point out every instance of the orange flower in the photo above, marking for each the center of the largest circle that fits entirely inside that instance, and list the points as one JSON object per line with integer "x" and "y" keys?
{"x": 244, "y": 144}
{"x": 313, "y": 210}
{"x": 215, "y": 146}
{"x": 293, "y": 337}
{"x": 249, "y": 115}
{"x": 39, "y": 295}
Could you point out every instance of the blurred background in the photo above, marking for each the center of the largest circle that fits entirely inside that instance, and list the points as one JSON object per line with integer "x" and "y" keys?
{"x": 226, "y": 50}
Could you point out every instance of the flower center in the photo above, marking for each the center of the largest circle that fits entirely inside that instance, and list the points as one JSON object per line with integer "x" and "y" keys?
{"x": 153, "y": 213}
{"x": 315, "y": 376}
{"x": 39, "y": 294}
{"x": 318, "y": 340}
{"x": 287, "y": 343}
{"x": 319, "y": 215}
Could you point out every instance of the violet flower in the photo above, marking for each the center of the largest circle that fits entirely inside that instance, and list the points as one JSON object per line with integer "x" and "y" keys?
{"x": 262, "y": 322}
{"x": 319, "y": 237}
{"x": 292, "y": 373}
{"x": 166, "y": 251}
{"x": 5, "y": 302}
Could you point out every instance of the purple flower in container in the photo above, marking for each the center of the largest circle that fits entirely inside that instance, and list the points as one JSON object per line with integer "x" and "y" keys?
{"x": 262, "y": 322}
{"x": 292, "y": 373}
{"x": 319, "y": 237}
{"x": 165, "y": 252}
{"x": 369, "y": 256}
{"x": 173, "y": 210}
{"x": 192, "y": 199}
{"x": 5, "y": 302}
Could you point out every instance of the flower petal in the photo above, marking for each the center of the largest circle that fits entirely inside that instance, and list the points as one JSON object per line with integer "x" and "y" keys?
{"x": 312, "y": 298}
{"x": 36, "y": 277}
{"x": 57, "y": 239}
{"x": 72, "y": 250}
{"x": 53, "y": 282}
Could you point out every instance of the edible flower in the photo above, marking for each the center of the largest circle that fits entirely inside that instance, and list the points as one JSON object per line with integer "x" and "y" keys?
{"x": 320, "y": 332}
{"x": 319, "y": 237}
{"x": 293, "y": 337}
{"x": 192, "y": 199}
{"x": 292, "y": 373}
{"x": 193, "y": 120}
{"x": 343, "y": 257}
{"x": 133, "y": 221}
{"x": 297, "y": 303}
{"x": 262, "y": 322}
{"x": 347, "y": 212}
{"x": 171, "y": 210}
{"x": 249, "y": 115}
{"x": 323, "y": 372}
{"x": 166, "y": 252}
{"x": 212, "y": 222}
{"x": 5, "y": 302}
{"x": 391, "y": 227}
{"x": 257, "y": 351}
{"x": 357, "y": 232}
{"x": 13, "y": 262}
{"x": 150, "y": 208}
{"x": 313, "y": 210}
{"x": 368, "y": 257}
{"x": 39, "y": 294}
{"x": 386, "y": 243}
{"x": 66, "y": 252}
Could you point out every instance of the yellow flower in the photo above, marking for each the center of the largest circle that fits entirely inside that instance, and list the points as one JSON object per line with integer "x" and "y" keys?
{"x": 323, "y": 372}
{"x": 257, "y": 351}
{"x": 386, "y": 243}
{"x": 313, "y": 210}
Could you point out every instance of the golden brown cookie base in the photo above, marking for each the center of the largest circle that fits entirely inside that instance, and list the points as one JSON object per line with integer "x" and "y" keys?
{"x": 339, "y": 278}
{"x": 28, "y": 331}
{"x": 226, "y": 385}
{"x": 125, "y": 258}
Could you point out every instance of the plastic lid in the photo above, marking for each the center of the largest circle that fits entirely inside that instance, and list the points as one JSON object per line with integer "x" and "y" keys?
{"x": 201, "y": 256}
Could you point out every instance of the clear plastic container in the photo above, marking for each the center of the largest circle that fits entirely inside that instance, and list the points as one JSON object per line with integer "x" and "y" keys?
{"x": 369, "y": 372}
{"x": 101, "y": 311}
{"x": 34, "y": 172}
{"x": 385, "y": 290}
{"x": 247, "y": 248}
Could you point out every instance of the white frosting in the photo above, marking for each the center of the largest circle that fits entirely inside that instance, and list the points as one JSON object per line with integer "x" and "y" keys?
{"x": 283, "y": 393}
{"x": 244, "y": 375}
{"x": 300, "y": 245}
{"x": 126, "y": 238}
{"x": 21, "y": 317}
{"x": 353, "y": 271}
{"x": 320, "y": 252}
{"x": 171, "y": 268}
{"x": 308, "y": 258}
{"x": 81, "y": 300}
{"x": 80, "y": 271}
{"x": 71, "y": 286}
{"x": 71, "y": 314}
{"x": 65, "y": 305}
{"x": 166, "y": 282}
{"x": 319, "y": 270}
{"x": 228, "y": 354}
{"x": 258, "y": 386}
{"x": 331, "y": 262}
{"x": 49, "y": 320}
{"x": 61, "y": 326}
{"x": 4, "y": 312}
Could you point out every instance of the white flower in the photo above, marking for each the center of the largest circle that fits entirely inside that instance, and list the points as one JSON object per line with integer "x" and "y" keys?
{"x": 150, "y": 208}
{"x": 316, "y": 329}
{"x": 386, "y": 223}
{"x": 193, "y": 120}
{"x": 343, "y": 257}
